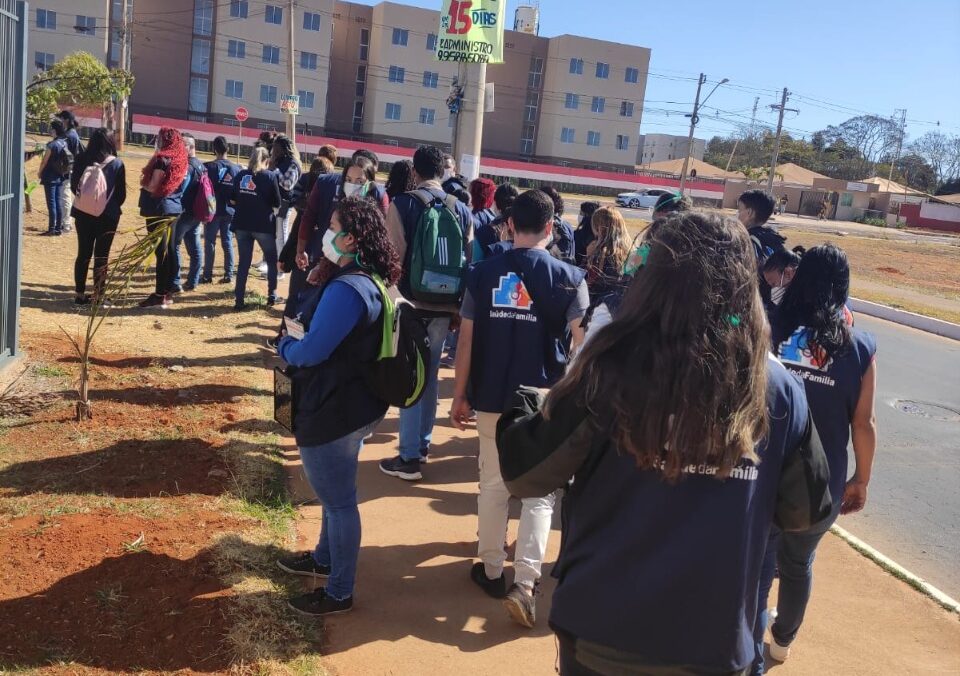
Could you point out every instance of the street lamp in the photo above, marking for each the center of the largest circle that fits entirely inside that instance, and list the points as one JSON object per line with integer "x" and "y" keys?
{"x": 694, "y": 118}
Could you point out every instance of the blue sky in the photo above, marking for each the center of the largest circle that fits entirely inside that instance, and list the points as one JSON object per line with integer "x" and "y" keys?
{"x": 841, "y": 57}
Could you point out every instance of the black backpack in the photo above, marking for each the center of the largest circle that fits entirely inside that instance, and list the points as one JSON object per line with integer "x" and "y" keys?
{"x": 61, "y": 159}
{"x": 766, "y": 242}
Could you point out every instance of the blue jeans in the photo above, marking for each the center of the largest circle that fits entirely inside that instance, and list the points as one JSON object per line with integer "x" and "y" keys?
{"x": 51, "y": 192}
{"x": 187, "y": 231}
{"x": 416, "y": 422}
{"x": 792, "y": 554}
{"x": 331, "y": 469}
{"x": 268, "y": 244}
{"x": 220, "y": 225}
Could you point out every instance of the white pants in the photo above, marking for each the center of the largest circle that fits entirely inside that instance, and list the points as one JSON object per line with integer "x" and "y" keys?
{"x": 66, "y": 203}
{"x": 536, "y": 515}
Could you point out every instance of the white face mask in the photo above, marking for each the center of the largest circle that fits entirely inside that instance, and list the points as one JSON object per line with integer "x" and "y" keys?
{"x": 352, "y": 189}
{"x": 330, "y": 250}
{"x": 777, "y": 293}
{"x": 447, "y": 174}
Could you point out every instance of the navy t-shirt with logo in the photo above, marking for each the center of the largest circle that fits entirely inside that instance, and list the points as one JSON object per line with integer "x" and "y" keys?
{"x": 222, "y": 174}
{"x": 833, "y": 390}
{"x": 256, "y": 197}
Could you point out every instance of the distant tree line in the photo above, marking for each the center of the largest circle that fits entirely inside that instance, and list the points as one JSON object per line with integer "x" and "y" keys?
{"x": 856, "y": 149}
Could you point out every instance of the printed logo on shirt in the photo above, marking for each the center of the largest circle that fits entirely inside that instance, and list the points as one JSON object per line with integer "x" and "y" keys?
{"x": 512, "y": 293}
{"x": 227, "y": 179}
{"x": 248, "y": 184}
{"x": 802, "y": 357}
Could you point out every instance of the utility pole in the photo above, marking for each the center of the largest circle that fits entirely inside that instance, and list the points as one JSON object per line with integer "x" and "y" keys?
{"x": 291, "y": 118}
{"x": 121, "y": 113}
{"x": 903, "y": 126}
{"x": 776, "y": 144}
{"x": 468, "y": 130}
{"x": 693, "y": 124}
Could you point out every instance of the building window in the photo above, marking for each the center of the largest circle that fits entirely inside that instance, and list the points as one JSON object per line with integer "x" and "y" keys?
{"x": 526, "y": 139}
{"x": 401, "y": 36}
{"x": 536, "y": 73}
{"x": 199, "y": 91}
{"x": 531, "y": 106}
{"x": 431, "y": 42}
{"x": 306, "y": 98}
{"x": 598, "y": 105}
{"x": 593, "y": 138}
{"x": 576, "y": 66}
{"x": 86, "y": 25}
{"x": 427, "y": 116}
{"x": 430, "y": 79}
{"x": 230, "y": 122}
{"x": 308, "y": 60}
{"x": 238, "y": 9}
{"x": 46, "y": 19}
{"x": 115, "y": 48}
{"x": 237, "y": 49}
{"x": 364, "y": 43}
{"x": 311, "y": 21}
{"x": 271, "y": 54}
{"x": 603, "y": 70}
{"x": 567, "y": 135}
{"x": 361, "y": 80}
{"x": 357, "y": 116}
{"x": 44, "y": 60}
{"x": 200, "y": 56}
{"x": 393, "y": 111}
{"x": 268, "y": 94}
{"x": 626, "y": 108}
{"x": 397, "y": 74}
{"x": 632, "y": 76}
{"x": 623, "y": 142}
{"x": 572, "y": 102}
{"x": 234, "y": 89}
{"x": 273, "y": 14}
{"x": 203, "y": 18}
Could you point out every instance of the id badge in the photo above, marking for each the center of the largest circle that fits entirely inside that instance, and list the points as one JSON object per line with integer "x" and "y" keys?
{"x": 294, "y": 328}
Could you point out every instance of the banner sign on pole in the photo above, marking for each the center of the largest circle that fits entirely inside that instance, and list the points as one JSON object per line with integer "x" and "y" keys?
{"x": 290, "y": 104}
{"x": 471, "y": 31}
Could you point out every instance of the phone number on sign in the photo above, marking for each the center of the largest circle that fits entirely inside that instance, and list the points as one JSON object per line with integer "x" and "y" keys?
{"x": 463, "y": 57}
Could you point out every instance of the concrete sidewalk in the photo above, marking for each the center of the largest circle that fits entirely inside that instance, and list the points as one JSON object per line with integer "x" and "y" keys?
{"x": 417, "y": 612}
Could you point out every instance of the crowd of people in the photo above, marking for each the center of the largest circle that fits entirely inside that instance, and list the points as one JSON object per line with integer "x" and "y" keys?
{"x": 687, "y": 395}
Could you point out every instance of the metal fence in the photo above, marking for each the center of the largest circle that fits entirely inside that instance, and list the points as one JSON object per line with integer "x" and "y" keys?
{"x": 13, "y": 44}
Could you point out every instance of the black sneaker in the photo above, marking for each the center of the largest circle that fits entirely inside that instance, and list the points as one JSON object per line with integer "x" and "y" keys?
{"x": 226, "y": 279}
{"x": 408, "y": 470}
{"x": 189, "y": 287}
{"x": 303, "y": 564}
{"x": 85, "y": 299}
{"x": 206, "y": 280}
{"x": 495, "y": 588}
{"x": 272, "y": 343}
{"x": 239, "y": 306}
{"x": 521, "y": 605}
{"x": 318, "y": 604}
{"x": 274, "y": 300}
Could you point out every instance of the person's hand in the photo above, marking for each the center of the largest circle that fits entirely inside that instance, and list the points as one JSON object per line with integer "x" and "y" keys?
{"x": 313, "y": 277}
{"x": 282, "y": 266}
{"x": 303, "y": 260}
{"x": 854, "y": 496}
{"x": 460, "y": 411}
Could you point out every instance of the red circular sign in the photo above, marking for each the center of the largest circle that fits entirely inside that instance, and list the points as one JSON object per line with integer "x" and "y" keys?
{"x": 241, "y": 114}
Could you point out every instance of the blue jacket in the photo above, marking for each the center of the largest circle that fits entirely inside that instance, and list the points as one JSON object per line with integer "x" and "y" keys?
{"x": 256, "y": 198}
{"x": 170, "y": 205}
{"x": 222, "y": 174}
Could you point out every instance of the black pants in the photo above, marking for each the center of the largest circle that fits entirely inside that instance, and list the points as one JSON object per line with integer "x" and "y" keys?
{"x": 94, "y": 239}
{"x": 164, "y": 252}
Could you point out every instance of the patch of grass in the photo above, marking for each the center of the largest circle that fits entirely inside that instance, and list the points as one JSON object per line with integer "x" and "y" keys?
{"x": 908, "y": 305}
{"x": 110, "y": 595}
{"x": 136, "y": 546}
{"x": 50, "y": 371}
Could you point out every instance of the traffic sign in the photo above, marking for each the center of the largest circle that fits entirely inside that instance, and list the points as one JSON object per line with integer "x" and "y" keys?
{"x": 241, "y": 114}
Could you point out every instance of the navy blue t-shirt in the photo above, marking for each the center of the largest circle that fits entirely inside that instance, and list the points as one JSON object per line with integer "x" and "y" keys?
{"x": 256, "y": 197}
{"x": 833, "y": 390}
{"x": 222, "y": 174}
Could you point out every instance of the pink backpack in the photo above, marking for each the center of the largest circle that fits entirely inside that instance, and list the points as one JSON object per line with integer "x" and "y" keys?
{"x": 205, "y": 201}
{"x": 92, "y": 194}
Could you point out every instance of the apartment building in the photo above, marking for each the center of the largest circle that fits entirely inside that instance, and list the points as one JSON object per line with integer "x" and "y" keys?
{"x": 665, "y": 147}
{"x": 59, "y": 28}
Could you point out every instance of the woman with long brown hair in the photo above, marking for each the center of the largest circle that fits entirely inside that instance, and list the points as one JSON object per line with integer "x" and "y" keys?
{"x": 607, "y": 253}
{"x": 162, "y": 184}
{"x": 684, "y": 441}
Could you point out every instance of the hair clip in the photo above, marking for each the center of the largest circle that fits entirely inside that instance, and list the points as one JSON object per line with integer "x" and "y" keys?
{"x": 734, "y": 320}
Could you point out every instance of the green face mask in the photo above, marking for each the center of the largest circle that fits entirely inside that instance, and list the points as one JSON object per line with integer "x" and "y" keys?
{"x": 637, "y": 259}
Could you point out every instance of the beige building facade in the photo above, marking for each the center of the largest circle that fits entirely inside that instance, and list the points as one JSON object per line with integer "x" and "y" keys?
{"x": 61, "y": 27}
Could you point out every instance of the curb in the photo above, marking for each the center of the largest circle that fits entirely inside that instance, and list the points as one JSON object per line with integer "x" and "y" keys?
{"x": 923, "y": 323}
{"x": 897, "y": 570}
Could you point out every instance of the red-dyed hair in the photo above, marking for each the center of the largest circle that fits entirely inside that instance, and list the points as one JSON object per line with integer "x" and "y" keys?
{"x": 170, "y": 147}
{"x": 481, "y": 193}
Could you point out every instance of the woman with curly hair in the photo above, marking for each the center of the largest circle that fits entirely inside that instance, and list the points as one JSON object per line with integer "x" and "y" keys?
{"x": 336, "y": 410}
{"x": 162, "y": 185}
{"x": 400, "y": 179}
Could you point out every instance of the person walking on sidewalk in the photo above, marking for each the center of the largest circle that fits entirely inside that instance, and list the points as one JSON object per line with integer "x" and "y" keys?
{"x": 162, "y": 184}
{"x": 222, "y": 174}
{"x": 838, "y": 367}
{"x": 403, "y": 223}
{"x": 54, "y": 173}
{"x": 99, "y": 180}
{"x": 684, "y": 440}
{"x": 187, "y": 231}
{"x": 256, "y": 199}
{"x": 517, "y": 308}
{"x": 336, "y": 410}
{"x": 75, "y": 145}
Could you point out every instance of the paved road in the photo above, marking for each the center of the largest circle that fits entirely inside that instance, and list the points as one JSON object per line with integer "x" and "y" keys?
{"x": 913, "y": 508}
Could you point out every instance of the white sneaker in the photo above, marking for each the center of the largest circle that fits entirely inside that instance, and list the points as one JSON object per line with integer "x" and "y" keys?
{"x": 262, "y": 268}
{"x": 281, "y": 275}
{"x": 778, "y": 652}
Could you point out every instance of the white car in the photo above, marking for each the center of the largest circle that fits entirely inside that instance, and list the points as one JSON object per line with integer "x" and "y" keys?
{"x": 641, "y": 199}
